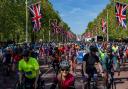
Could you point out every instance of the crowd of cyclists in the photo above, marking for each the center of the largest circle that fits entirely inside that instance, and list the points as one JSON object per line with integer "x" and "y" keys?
{"x": 101, "y": 58}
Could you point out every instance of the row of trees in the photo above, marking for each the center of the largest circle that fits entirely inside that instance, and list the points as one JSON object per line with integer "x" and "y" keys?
{"x": 114, "y": 30}
{"x": 13, "y": 20}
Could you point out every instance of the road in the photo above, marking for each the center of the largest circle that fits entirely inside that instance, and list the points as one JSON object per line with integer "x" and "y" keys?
{"x": 120, "y": 81}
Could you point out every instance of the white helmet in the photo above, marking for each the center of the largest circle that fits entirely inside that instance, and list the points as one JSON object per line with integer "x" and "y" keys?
{"x": 64, "y": 64}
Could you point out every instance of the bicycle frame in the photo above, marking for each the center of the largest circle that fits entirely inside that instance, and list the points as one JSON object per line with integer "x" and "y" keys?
{"x": 111, "y": 84}
{"x": 90, "y": 84}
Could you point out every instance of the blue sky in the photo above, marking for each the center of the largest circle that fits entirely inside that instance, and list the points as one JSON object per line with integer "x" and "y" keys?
{"x": 77, "y": 13}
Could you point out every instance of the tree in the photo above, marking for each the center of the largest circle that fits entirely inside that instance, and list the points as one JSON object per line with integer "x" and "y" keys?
{"x": 13, "y": 20}
{"x": 114, "y": 30}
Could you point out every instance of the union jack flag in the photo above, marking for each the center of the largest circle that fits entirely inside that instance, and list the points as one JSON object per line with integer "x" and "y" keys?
{"x": 53, "y": 25}
{"x": 36, "y": 16}
{"x": 121, "y": 14}
{"x": 59, "y": 29}
{"x": 104, "y": 26}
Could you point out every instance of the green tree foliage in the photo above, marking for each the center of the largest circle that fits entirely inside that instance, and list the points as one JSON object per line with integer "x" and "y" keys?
{"x": 13, "y": 20}
{"x": 114, "y": 31}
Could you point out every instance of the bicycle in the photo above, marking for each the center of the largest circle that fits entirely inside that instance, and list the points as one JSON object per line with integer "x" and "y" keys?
{"x": 6, "y": 68}
{"x": 55, "y": 67}
{"x": 110, "y": 82}
{"x": 90, "y": 83}
{"x": 40, "y": 83}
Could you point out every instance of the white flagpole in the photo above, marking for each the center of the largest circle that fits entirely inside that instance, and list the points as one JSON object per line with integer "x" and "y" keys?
{"x": 107, "y": 27}
{"x": 26, "y": 21}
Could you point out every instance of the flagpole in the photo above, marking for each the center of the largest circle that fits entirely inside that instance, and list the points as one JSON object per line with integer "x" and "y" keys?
{"x": 26, "y": 21}
{"x": 107, "y": 27}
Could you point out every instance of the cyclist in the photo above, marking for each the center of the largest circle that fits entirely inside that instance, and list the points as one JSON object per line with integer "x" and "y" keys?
{"x": 55, "y": 62}
{"x": 7, "y": 60}
{"x": 73, "y": 63}
{"x": 108, "y": 66}
{"x": 64, "y": 79}
{"x": 33, "y": 53}
{"x": 88, "y": 67}
{"x": 126, "y": 53}
{"x": 121, "y": 55}
{"x": 28, "y": 70}
{"x": 1, "y": 55}
{"x": 80, "y": 55}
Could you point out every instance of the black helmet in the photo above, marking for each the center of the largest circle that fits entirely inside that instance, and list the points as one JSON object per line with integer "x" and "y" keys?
{"x": 25, "y": 53}
{"x": 93, "y": 48}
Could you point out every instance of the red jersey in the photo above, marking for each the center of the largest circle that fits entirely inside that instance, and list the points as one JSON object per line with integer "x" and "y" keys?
{"x": 65, "y": 84}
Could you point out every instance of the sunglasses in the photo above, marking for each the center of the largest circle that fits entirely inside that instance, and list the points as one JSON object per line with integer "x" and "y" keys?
{"x": 66, "y": 69}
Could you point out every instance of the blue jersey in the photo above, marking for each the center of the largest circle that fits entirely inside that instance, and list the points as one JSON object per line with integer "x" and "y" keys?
{"x": 80, "y": 56}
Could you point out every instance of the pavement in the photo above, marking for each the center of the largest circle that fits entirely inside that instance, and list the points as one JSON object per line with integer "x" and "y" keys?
{"x": 8, "y": 82}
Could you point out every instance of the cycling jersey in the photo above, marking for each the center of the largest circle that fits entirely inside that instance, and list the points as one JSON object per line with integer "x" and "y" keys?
{"x": 7, "y": 57}
{"x": 90, "y": 60}
{"x": 107, "y": 63}
{"x": 127, "y": 53}
{"x": 80, "y": 56}
{"x": 16, "y": 57}
{"x": 29, "y": 68}
{"x": 102, "y": 55}
{"x": 64, "y": 84}
{"x": 115, "y": 49}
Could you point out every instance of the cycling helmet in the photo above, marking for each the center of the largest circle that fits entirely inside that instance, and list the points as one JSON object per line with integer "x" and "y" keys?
{"x": 25, "y": 53}
{"x": 64, "y": 64}
{"x": 93, "y": 48}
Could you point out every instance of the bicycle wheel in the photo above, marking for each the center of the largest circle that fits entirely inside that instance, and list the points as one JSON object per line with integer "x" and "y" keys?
{"x": 41, "y": 83}
{"x": 18, "y": 86}
{"x": 4, "y": 70}
{"x": 112, "y": 85}
{"x": 109, "y": 84}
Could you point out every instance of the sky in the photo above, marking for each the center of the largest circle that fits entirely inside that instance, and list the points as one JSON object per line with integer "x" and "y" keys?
{"x": 78, "y": 13}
